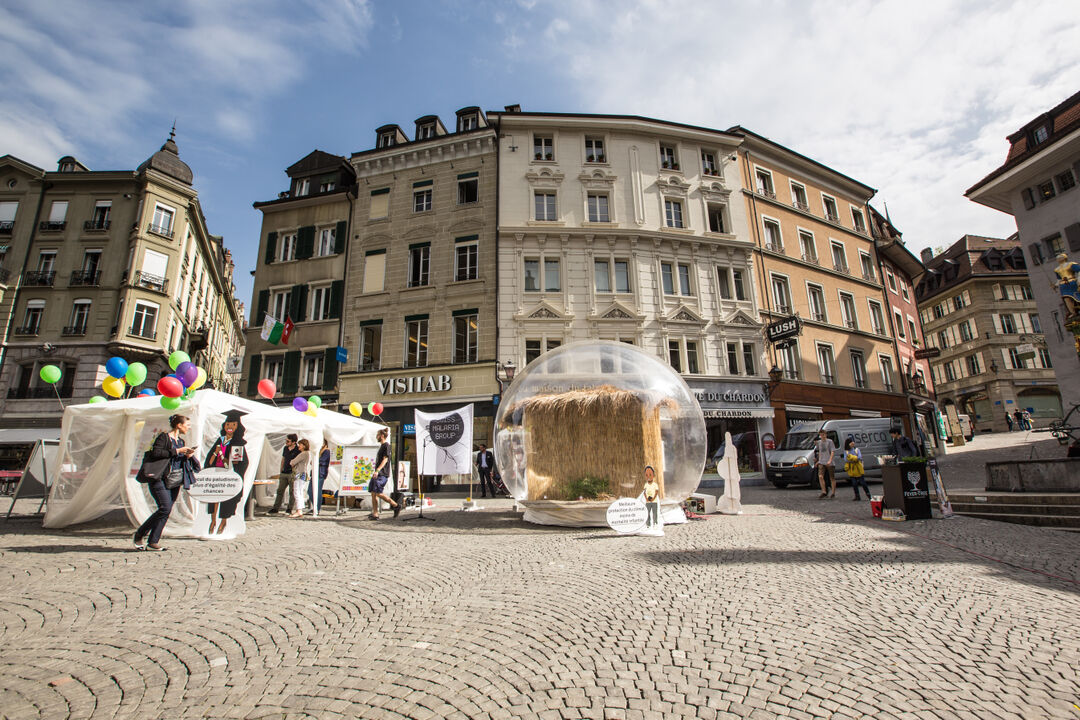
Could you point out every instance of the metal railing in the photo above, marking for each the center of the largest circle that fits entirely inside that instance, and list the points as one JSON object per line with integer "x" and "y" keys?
{"x": 96, "y": 225}
{"x": 828, "y": 379}
{"x": 150, "y": 282}
{"x": 85, "y": 277}
{"x": 39, "y": 278}
{"x": 160, "y": 230}
{"x": 767, "y": 193}
{"x": 75, "y": 330}
{"x": 52, "y": 226}
{"x": 800, "y": 206}
{"x": 810, "y": 258}
{"x": 841, "y": 268}
{"x": 143, "y": 333}
{"x": 33, "y": 330}
{"x": 832, "y": 218}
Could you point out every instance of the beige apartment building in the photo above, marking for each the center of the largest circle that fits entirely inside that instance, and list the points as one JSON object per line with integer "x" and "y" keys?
{"x": 103, "y": 263}
{"x": 979, "y": 312}
{"x": 815, "y": 260}
{"x": 300, "y": 277}
{"x": 420, "y": 318}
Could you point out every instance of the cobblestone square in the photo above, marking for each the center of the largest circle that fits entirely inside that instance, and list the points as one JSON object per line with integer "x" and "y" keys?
{"x": 800, "y": 608}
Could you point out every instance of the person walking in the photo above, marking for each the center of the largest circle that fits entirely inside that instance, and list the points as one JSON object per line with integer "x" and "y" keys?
{"x": 1009, "y": 421}
{"x": 902, "y": 445}
{"x": 1027, "y": 420}
{"x": 1019, "y": 416}
{"x": 826, "y": 452}
{"x": 289, "y": 452}
{"x": 380, "y": 476}
{"x": 485, "y": 462}
{"x": 853, "y": 466}
{"x": 166, "y": 467}
{"x": 301, "y": 467}
{"x": 324, "y": 469}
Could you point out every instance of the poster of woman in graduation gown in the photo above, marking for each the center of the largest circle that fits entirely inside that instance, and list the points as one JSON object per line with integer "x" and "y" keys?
{"x": 228, "y": 451}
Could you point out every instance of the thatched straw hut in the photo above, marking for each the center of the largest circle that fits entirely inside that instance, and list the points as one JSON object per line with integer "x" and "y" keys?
{"x": 598, "y": 439}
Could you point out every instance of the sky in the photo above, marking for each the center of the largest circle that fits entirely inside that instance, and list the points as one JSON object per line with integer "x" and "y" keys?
{"x": 913, "y": 98}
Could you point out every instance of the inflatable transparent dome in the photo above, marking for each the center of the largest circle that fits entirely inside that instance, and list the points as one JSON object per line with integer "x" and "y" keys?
{"x": 579, "y": 425}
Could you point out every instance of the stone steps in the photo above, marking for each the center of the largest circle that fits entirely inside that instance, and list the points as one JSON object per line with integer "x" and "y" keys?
{"x": 1053, "y": 510}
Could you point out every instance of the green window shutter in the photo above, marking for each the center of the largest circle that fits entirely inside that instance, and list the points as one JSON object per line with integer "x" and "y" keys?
{"x": 330, "y": 368}
{"x": 341, "y": 237}
{"x": 298, "y": 303}
{"x": 337, "y": 290}
{"x": 290, "y": 376}
{"x": 253, "y": 375}
{"x": 271, "y": 248}
{"x": 305, "y": 242}
{"x": 264, "y": 305}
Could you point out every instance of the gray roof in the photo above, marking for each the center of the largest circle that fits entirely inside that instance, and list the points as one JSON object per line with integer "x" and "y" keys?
{"x": 167, "y": 160}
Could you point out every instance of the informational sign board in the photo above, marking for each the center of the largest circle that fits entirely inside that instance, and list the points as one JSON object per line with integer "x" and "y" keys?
{"x": 627, "y": 516}
{"x": 783, "y": 329}
{"x": 445, "y": 441}
{"x": 234, "y": 365}
{"x": 357, "y": 467}
{"x": 927, "y": 353}
{"x": 215, "y": 484}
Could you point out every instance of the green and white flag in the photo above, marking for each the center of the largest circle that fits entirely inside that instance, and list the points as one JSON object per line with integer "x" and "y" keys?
{"x": 272, "y": 329}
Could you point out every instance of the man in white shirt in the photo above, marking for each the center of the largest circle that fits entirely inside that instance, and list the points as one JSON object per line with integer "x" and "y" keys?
{"x": 826, "y": 451}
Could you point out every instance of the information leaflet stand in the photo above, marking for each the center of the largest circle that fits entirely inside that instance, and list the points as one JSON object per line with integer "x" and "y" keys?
{"x": 34, "y": 482}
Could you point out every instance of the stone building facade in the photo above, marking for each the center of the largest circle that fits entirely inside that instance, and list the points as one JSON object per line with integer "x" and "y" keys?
{"x": 103, "y": 263}
{"x": 1037, "y": 186}
{"x": 978, "y": 311}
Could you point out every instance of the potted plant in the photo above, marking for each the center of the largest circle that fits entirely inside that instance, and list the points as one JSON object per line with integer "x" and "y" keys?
{"x": 549, "y": 156}
{"x": 590, "y": 158}
{"x": 665, "y": 164}
{"x": 539, "y": 156}
{"x": 601, "y": 158}
{"x": 674, "y": 166}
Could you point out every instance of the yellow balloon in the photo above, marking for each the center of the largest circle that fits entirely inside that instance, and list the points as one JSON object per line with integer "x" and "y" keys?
{"x": 311, "y": 411}
{"x": 356, "y": 409}
{"x": 113, "y": 386}
{"x": 199, "y": 381}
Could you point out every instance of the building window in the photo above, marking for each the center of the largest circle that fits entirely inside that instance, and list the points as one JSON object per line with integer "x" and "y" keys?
{"x": 939, "y": 309}
{"x": 1036, "y": 324}
{"x": 418, "y": 265}
{"x": 943, "y": 339}
{"x": 691, "y": 357}
{"x": 1025, "y": 292}
{"x": 327, "y": 242}
{"x": 965, "y": 331}
{"x": 47, "y": 261}
{"x": 370, "y": 354}
{"x": 1040, "y": 135}
{"x": 773, "y": 239}
{"x": 781, "y": 294}
{"x": 723, "y": 282}
{"x": 465, "y": 261}
{"x": 100, "y": 219}
{"x": 950, "y": 373}
{"x": 303, "y": 187}
{"x": 594, "y": 150}
{"x": 275, "y": 370}
{"x": 708, "y": 163}
{"x": 857, "y": 220}
{"x": 543, "y": 147}
{"x": 858, "y": 368}
{"x": 912, "y": 333}
{"x": 421, "y": 200}
{"x": 416, "y": 347}
{"x": 144, "y": 320}
{"x": 327, "y": 184}
{"x": 798, "y": 197}
{"x": 667, "y": 158}
{"x": 847, "y": 309}
{"x": 737, "y": 281}
{"x": 1044, "y": 358}
{"x": 545, "y": 206}
{"x": 973, "y": 367}
{"x": 598, "y": 208}
{"x": 622, "y": 276}
{"x": 831, "y": 213}
{"x": 287, "y": 248}
{"x": 313, "y": 370}
{"x": 466, "y": 338}
{"x": 898, "y": 321}
{"x": 764, "y": 183}
{"x": 839, "y": 257}
{"x": 162, "y": 222}
{"x": 374, "y": 271}
{"x": 1014, "y": 359}
{"x": 886, "y": 372}
{"x": 675, "y": 355}
{"x": 867, "y": 266}
{"x": 532, "y": 350}
{"x": 532, "y": 276}
{"x": 1066, "y": 181}
{"x": 32, "y": 319}
{"x": 673, "y": 215}
{"x": 891, "y": 279}
{"x": 716, "y": 218}
{"x": 7, "y": 215}
{"x": 380, "y": 204}
{"x": 468, "y": 122}
{"x": 877, "y": 319}
{"x": 904, "y": 290}
{"x": 667, "y": 278}
{"x": 748, "y": 358}
{"x": 1055, "y": 245}
{"x": 817, "y": 303}
{"x": 1008, "y": 325}
{"x": 826, "y": 364}
{"x": 468, "y": 191}
{"x": 386, "y": 139}
{"x": 80, "y": 315}
{"x": 600, "y": 274}
{"x": 733, "y": 358}
{"x": 684, "y": 280}
{"x": 788, "y": 357}
{"x": 959, "y": 302}
{"x": 279, "y": 304}
{"x": 320, "y": 302}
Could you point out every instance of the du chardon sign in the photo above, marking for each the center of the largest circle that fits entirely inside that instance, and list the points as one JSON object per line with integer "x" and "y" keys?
{"x": 415, "y": 384}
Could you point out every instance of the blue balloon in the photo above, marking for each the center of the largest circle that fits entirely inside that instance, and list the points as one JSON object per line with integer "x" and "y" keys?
{"x": 147, "y": 391}
{"x": 117, "y": 367}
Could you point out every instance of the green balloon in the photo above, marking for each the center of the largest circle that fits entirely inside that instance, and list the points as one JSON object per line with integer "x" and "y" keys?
{"x": 136, "y": 373}
{"x": 97, "y": 399}
{"x": 49, "y": 373}
{"x": 170, "y": 403}
{"x": 315, "y": 400}
{"x": 178, "y": 357}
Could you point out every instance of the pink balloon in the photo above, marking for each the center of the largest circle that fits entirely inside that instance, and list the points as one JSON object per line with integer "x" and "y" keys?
{"x": 170, "y": 387}
{"x": 267, "y": 388}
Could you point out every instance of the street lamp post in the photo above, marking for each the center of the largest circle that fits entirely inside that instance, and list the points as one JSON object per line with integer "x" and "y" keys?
{"x": 504, "y": 373}
{"x": 775, "y": 376}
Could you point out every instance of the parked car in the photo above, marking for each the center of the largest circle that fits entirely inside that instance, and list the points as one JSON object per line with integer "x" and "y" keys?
{"x": 793, "y": 461}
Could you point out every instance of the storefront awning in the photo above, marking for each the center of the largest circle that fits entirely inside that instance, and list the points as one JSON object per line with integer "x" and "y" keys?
{"x": 737, "y": 413}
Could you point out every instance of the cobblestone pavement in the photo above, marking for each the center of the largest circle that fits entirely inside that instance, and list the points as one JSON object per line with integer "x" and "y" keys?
{"x": 798, "y": 608}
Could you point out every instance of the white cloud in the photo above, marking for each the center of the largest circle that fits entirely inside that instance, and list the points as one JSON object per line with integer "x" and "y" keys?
{"x": 913, "y": 98}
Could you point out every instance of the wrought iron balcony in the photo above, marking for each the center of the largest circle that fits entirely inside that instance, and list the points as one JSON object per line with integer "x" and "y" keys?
{"x": 52, "y": 226}
{"x": 841, "y": 267}
{"x": 775, "y": 247}
{"x": 6, "y": 227}
{"x": 96, "y": 225}
{"x": 39, "y": 278}
{"x": 828, "y": 379}
{"x": 818, "y": 316}
{"x": 811, "y": 258}
{"x": 160, "y": 230}
{"x": 767, "y": 193}
{"x": 32, "y": 330}
{"x": 143, "y": 333}
{"x": 75, "y": 330}
{"x": 832, "y": 218}
{"x": 799, "y": 205}
{"x": 85, "y": 277}
{"x": 150, "y": 282}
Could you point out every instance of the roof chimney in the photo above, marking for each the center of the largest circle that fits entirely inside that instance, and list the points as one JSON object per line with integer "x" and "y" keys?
{"x": 513, "y": 108}
{"x": 927, "y": 255}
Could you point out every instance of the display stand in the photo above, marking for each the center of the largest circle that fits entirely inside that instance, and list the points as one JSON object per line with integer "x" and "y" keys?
{"x": 34, "y": 482}
{"x": 420, "y": 486}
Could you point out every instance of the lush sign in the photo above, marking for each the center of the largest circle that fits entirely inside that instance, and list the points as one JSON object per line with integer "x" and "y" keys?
{"x": 783, "y": 329}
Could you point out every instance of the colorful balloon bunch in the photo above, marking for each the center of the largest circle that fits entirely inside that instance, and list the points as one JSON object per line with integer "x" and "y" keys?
{"x": 357, "y": 409}
{"x": 308, "y": 406}
{"x": 185, "y": 380}
{"x": 120, "y": 375}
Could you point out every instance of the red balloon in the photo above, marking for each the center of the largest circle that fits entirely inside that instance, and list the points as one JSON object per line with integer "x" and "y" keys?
{"x": 267, "y": 388}
{"x": 376, "y": 408}
{"x": 170, "y": 386}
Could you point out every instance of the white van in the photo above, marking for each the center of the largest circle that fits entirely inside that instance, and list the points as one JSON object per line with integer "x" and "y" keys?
{"x": 793, "y": 461}
{"x": 966, "y": 427}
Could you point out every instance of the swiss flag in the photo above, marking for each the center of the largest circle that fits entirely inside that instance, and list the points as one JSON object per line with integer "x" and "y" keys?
{"x": 286, "y": 331}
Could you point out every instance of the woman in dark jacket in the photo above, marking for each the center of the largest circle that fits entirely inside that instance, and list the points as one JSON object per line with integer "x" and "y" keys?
{"x": 176, "y": 470}
{"x": 324, "y": 468}
{"x": 228, "y": 451}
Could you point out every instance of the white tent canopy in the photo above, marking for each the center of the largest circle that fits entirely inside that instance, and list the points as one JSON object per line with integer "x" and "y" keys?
{"x": 101, "y": 448}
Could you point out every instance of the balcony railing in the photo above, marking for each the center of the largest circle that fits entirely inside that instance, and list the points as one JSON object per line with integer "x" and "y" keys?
{"x": 798, "y": 205}
{"x": 851, "y": 325}
{"x": 6, "y": 227}
{"x": 783, "y": 309}
{"x": 889, "y": 387}
{"x": 160, "y": 230}
{"x": 819, "y": 316}
{"x": 879, "y": 330}
{"x": 85, "y": 277}
{"x": 832, "y": 218}
{"x": 775, "y": 247}
{"x": 811, "y": 258}
{"x": 150, "y": 282}
{"x": 791, "y": 374}
{"x": 860, "y": 383}
{"x": 32, "y": 330}
{"x": 767, "y": 193}
{"x": 96, "y": 225}
{"x": 869, "y": 276}
{"x": 75, "y": 330}
{"x": 828, "y": 379}
{"x": 39, "y": 278}
{"x": 52, "y": 225}
{"x": 841, "y": 267}
{"x": 143, "y": 333}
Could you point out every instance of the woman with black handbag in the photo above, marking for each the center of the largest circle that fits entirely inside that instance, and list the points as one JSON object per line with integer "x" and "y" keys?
{"x": 166, "y": 466}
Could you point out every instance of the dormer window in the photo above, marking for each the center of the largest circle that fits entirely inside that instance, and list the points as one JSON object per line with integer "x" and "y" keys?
{"x": 425, "y": 131}
{"x": 303, "y": 187}
{"x": 66, "y": 167}
{"x": 327, "y": 184}
{"x": 1040, "y": 135}
{"x": 386, "y": 139}
{"x": 468, "y": 122}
